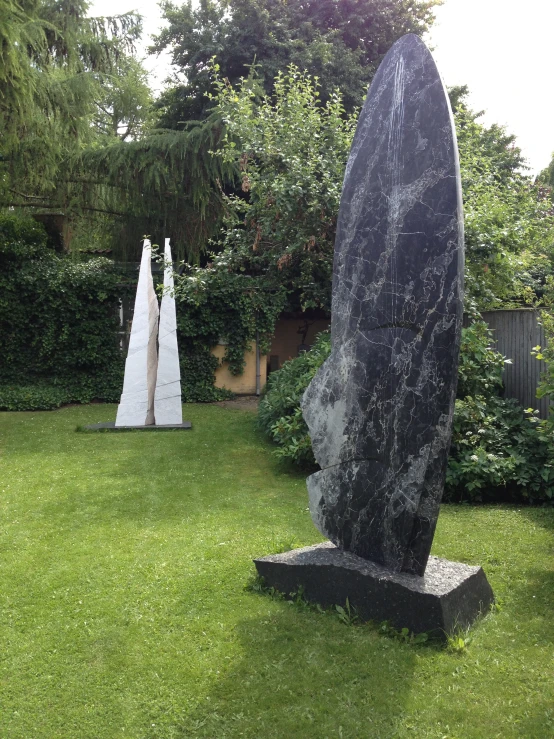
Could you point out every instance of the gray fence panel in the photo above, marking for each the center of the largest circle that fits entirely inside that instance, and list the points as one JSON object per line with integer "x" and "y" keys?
{"x": 515, "y": 333}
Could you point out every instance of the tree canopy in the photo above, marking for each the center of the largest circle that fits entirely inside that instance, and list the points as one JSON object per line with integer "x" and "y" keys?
{"x": 290, "y": 149}
{"x": 509, "y": 222}
{"x": 546, "y": 177}
{"x": 66, "y": 82}
{"x": 339, "y": 41}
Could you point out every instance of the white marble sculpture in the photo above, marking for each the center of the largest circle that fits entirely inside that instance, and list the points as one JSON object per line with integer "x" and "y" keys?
{"x": 167, "y": 401}
{"x": 136, "y": 407}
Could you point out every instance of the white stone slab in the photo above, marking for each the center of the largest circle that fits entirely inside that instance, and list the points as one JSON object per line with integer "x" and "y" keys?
{"x": 136, "y": 407}
{"x": 167, "y": 401}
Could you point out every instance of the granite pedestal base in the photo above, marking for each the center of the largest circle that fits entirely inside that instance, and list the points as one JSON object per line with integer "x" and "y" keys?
{"x": 110, "y": 426}
{"x": 450, "y": 595}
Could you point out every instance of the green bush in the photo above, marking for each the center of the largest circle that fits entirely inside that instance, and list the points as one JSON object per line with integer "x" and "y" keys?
{"x": 38, "y": 397}
{"x": 498, "y": 452}
{"x": 45, "y": 395}
{"x": 58, "y": 323}
{"x": 198, "y": 368}
{"x": 279, "y": 414}
{"x": 480, "y": 367}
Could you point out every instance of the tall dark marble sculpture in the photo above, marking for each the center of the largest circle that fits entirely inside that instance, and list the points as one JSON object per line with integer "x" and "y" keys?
{"x": 380, "y": 409}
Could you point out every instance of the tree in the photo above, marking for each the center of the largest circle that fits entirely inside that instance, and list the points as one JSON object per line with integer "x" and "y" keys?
{"x": 339, "y": 41}
{"x": 124, "y": 110}
{"x": 546, "y": 177}
{"x": 508, "y": 219}
{"x": 291, "y": 150}
{"x": 164, "y": 183}
{"x": 58, "y": 67}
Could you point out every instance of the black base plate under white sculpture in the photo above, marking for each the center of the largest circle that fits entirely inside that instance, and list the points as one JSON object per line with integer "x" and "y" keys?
{"x": 449, "y": 596}
{"x": 110, "y": 426}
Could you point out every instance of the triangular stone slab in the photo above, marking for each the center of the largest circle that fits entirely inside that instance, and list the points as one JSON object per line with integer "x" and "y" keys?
{"x": 167, "y": 401}
{"x": 136, "y": 407}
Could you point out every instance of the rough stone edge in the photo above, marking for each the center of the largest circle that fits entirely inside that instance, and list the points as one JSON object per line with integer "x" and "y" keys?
{"x": 110, "y": 426}
{"x": 438, "y": 611}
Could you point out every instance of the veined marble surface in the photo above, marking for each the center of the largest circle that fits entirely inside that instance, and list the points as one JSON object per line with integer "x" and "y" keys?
{"x": 167, "y": 400}
{"x": 380, "y": 409}
{"x": 136, "y": 407}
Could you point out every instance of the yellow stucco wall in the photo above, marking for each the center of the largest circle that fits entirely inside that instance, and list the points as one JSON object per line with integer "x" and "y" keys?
{"x": 244, "y": 384}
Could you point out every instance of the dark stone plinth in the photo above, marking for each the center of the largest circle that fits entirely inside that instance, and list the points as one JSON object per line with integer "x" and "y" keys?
{"x": 110, "y": 426}
{"x": 449, "y": 596}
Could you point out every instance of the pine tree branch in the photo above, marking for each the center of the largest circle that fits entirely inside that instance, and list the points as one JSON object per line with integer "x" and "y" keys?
{"x": 49, "y": 206}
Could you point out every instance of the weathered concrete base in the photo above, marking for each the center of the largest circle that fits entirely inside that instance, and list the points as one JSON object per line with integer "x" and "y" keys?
{"x": 450, "y": 595}
{"x": 110, "y": 426}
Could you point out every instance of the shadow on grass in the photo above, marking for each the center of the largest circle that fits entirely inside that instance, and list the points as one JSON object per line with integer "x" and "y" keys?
{"x": 297, "y": 678}
{"x": 535, "y": 596}
{"x": 540, "y": 516}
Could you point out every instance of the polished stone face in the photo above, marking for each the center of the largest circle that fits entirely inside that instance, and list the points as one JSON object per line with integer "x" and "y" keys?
{"x": 167, "y": 398}
{"x": 136, "y": 407}
{"x": 380, "y": 409}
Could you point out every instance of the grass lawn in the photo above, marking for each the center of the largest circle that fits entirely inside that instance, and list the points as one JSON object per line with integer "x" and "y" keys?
{"x": 123, "y": 611}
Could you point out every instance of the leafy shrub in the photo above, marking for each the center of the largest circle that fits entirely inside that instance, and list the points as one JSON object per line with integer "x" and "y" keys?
{"x": 498, "y": 452}
{"x": 279, "y": 414}
{"x": 546, "y": 353}
{"x": 480, "y": 367}
{"x": 45, "y": 395}
{"x": 198, "y": 368}
{"x": 58, "y": 323}
{"x": 37, "y": 397}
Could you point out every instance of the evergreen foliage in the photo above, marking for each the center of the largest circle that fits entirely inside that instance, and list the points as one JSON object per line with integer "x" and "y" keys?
{"x": 54, "y": 62}
{"x": 58, "y": 323}
{"x": 66, "y": 82}
{"x": 165, "y": 183}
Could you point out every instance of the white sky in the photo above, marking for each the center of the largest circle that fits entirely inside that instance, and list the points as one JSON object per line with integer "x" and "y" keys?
{"x": 501, "y": 49}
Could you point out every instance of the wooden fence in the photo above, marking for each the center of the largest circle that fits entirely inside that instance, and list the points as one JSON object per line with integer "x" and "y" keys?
{"x": 515, "y": 333}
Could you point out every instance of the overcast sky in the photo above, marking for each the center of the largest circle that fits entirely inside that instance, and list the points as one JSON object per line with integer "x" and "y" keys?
{"x": 501, "y": 49}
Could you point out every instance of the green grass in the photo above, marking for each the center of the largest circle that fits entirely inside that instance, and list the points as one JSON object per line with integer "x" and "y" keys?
{"x": 123, "y": 610}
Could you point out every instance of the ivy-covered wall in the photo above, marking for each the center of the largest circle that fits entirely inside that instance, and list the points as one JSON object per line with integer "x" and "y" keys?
{"x": 214, "y": 304}
{"x": 58, "y": 323}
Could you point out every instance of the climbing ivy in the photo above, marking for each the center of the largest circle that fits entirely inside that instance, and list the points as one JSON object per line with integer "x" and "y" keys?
{"x": 58, "y": 323}
{"x": 215, "y": 304}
